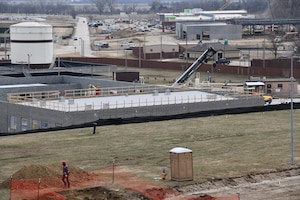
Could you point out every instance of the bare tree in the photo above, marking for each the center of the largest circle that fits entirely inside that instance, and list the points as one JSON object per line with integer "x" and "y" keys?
{"x": 273, "y": 47}
{"x": 133, "y": 6}
{"x": 157, "y": 6}
{"x": 285, "y": 8}
{"x": 254, "y": 6}
{"x": 297, "y": 48}
{"x": 110, "y": 5}
{"x": 100, "y": 4}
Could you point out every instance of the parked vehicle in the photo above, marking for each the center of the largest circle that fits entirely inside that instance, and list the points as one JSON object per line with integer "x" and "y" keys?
{"x": 268, "y": 99}
{"x": 102, "y": 44}
{"x": 105, "y": 31}
{"x": 223, "y": 61}
{"x": 127, "y": 44}
{"x": 283, "y": 58}
{"x": 129, "y": 48}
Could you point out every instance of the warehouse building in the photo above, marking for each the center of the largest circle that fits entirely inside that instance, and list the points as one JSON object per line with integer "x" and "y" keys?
{"x": 208, "y": 31}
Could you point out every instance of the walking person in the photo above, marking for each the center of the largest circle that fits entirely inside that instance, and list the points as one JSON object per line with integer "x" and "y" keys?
{"x": 65, "y": 177}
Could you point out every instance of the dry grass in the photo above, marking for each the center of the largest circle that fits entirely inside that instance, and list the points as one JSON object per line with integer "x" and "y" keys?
{"x": 167, "y": 77}
{"x": 223, "y": 146}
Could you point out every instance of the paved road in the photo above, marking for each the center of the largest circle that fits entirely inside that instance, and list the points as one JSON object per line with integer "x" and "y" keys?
{"x": 80, "y": 43}
{"x": 83, "y": 37}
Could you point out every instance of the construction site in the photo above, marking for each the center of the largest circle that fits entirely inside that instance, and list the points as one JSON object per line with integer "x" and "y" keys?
{"x": 118, "y": 136}
{"x": 230, "y": 160}
{"x": 94, "y": 99}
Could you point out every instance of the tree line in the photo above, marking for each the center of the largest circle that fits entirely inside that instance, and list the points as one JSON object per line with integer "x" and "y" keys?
{"x": 267, "y": 8}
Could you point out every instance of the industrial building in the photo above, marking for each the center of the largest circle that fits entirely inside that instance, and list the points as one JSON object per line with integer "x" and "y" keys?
{"x": 197, "y": 24}
{"x": 223, "y": 50}
{"x": 33, "y": 103}
{"x": 279, "y": 87}
{"x": 74, "y": 94}
{"x": 159, "y": 50}
{"x": 208, "y": 31}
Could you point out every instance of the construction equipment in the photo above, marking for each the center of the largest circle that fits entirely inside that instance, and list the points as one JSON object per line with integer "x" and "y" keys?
{"x": 268, "y": 99}
{"x": 93, "y": 90}
{"x": 195, "y": 66}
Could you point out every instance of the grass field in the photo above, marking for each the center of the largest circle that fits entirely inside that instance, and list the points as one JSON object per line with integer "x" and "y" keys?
{"x": 223, "y": 146}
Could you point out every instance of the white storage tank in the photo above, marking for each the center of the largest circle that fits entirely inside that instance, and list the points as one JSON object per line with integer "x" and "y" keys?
{"x": 31, "y": 43}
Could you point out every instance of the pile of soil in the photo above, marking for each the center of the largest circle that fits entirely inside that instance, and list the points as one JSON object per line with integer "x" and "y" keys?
{"x": 126, "y": 33}
{"x": 49, "y": 174}
{"x": 84, "y": 185}
{"x": 103, "y": 193}
{"x": 126, "y": 185}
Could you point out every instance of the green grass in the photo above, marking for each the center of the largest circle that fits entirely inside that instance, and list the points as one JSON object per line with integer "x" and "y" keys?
{"x": 229, "y": 145}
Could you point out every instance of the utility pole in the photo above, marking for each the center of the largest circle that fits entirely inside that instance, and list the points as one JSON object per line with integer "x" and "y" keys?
{"x": 264, "y": 51}
{"x": 5, "y": 48}
{"x": 292, "y": 111}
{"x": 126, "y": 60}
{"x": 28, "y": 62}
{"x": 160, "y": 47}
{"x": 186, "y": 54}
{"x": 140, "y": 54}
{"x": 144, "y": 48}
{"x": 82, "y": 47}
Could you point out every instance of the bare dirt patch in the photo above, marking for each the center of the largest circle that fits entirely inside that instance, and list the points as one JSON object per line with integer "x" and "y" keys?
{"x": 126, "y": 33}
{"x": 121, "y": 183}
{"x": 282, "y": 184}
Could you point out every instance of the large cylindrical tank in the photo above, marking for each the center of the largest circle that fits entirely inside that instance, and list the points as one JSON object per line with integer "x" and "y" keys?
{"x": 31, "y": 43}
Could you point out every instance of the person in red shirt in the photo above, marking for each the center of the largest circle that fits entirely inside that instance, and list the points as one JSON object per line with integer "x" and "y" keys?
{"x": 66, "y": 173}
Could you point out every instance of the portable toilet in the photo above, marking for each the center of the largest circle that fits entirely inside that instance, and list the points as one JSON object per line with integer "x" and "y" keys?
{"x": 181, "y": 164}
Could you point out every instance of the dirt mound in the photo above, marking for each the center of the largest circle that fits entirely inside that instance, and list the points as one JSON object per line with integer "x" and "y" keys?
{"x": 125, "y": 33}
{"x": 103, "y": 193}
{"x": 213, "y": 185}
{"x": 126, "y": 185}
{"x": 43, "y": 172}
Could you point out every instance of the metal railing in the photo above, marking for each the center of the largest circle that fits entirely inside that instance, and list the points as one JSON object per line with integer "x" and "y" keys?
{"x": 86, "y": 93}
{"x": 116, "y": 91}
{"x": 32, "y": 96}
{"x": 70, "y": 105}
{"x": 82, "y": 99}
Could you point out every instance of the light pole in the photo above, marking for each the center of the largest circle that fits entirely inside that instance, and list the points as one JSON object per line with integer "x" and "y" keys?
{"x": 225, "y": 43}
{"x": 264, "y": 49}
{"x": 126, "y": 60}
{"x": 256, "y": 51}
{"x": 81, "y": 47}
{"x": 140, "y": 54}
{"x": 160, "y": 47}
{"x": 186, "y": 44}
{"x": 292, "y": 111}
{"x": 144, "y": 46}
{"x": 5, "y": 49}
{"x": 28, "y": 62}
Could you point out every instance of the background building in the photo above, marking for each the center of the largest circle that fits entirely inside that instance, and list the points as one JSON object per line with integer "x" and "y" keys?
{"x": 208, "y": 31}
{"x": 223, "y": 51}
